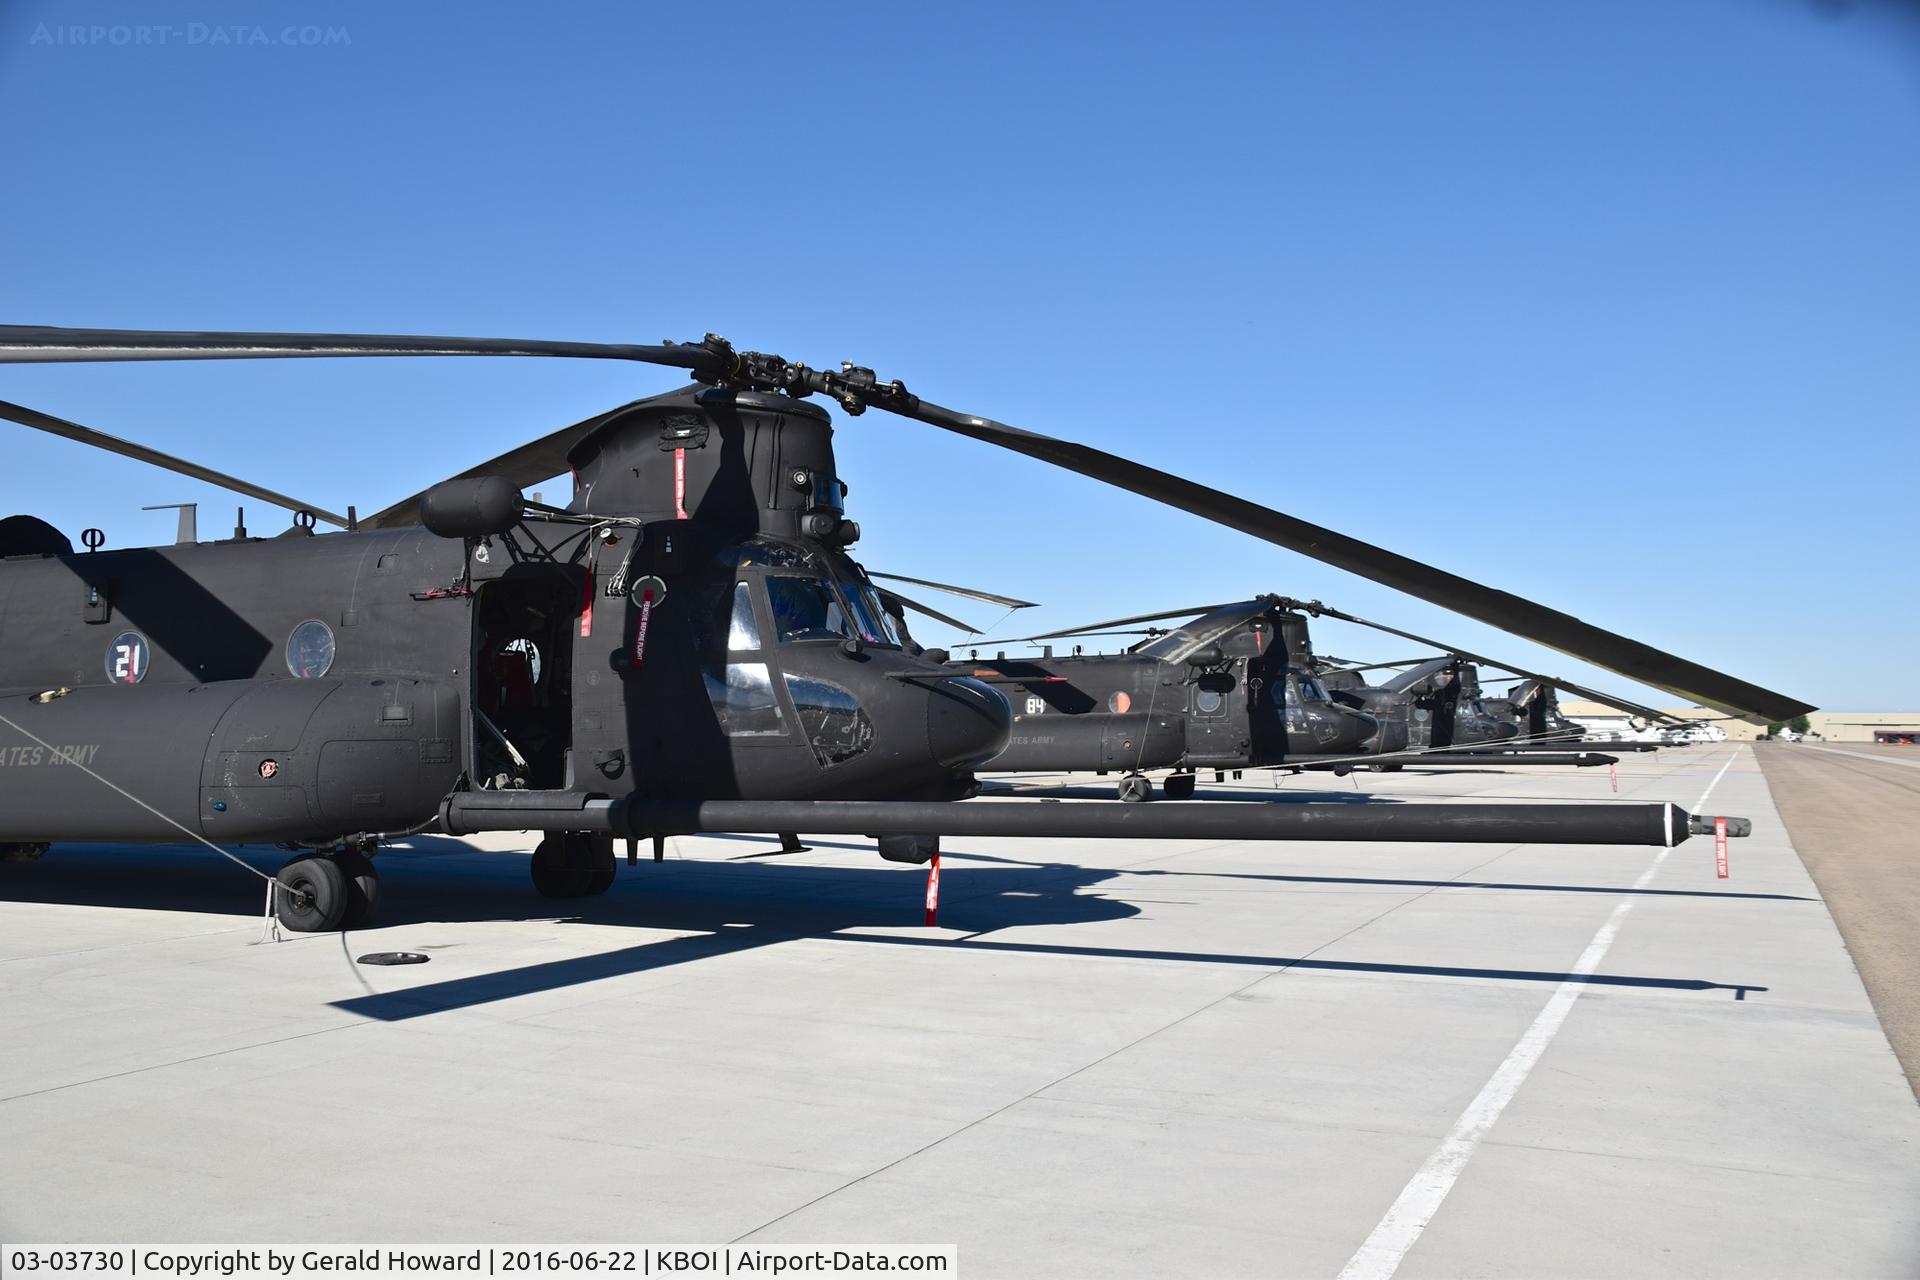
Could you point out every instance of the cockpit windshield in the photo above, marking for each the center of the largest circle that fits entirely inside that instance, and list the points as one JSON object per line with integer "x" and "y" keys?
{"x": 805, "y": 609}
{"x": 865, "y": 616}
{"x": 868, "y": 617}
{"x": 880, "y": 616}
{"x": 1296, "y": 689}
{"x": 808, "y": 608}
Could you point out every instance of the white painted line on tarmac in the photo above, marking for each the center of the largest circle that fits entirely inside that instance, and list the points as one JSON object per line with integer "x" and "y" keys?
{"x": 1700, "y": 805}
{"x": 1857, "y": 755}
{"x": 1407, "y": 1218}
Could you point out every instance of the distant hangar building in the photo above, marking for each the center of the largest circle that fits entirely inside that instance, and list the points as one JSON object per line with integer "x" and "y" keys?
{"x": 1834, "y": 726}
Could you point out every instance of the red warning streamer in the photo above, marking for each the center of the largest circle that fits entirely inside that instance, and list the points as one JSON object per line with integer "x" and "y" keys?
{"x": 1613, "y": 775}
{"x": 586, "y": 605}
{"x": 1720, "y": 847}
{"x": 933, "y": 891}
{"x": 679, "y": 484}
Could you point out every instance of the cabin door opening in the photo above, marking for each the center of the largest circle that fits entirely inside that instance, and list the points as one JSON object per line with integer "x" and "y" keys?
{"x": 523, "y": 681}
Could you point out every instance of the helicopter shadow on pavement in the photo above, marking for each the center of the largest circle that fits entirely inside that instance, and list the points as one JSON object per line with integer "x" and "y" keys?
{"x": 715, "y": 909}
{"x": 738, "y": 907}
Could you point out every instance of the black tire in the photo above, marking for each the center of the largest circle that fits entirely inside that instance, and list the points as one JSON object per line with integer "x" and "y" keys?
{"x": 363, "y": 889}
{"x": 1135, "y": 789}
{"x": 553, "y": 877}
{"x": 594, "y": 854}
{"x": 573, "y": 864}
{"x": 311, "y": 896}
{"x": 1179, "y": 787}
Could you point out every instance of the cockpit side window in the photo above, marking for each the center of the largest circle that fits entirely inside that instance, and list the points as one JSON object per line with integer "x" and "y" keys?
{"x": 743, "y": 632}
{"x": 881, "y": 616}
{"x": 805, "y": 609}
{"x": 865, "y": 616}
{"x": 743, "y": 700}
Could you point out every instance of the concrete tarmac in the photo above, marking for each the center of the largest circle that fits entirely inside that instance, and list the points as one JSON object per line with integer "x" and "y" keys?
{"x": 1179, "y": 1058}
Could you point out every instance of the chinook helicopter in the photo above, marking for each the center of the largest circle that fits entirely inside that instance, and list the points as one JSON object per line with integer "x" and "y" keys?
{"x": 1533, "y": 705}
{"x": 1239, "y": 687}
{"x": 1442, "y": 703}
{"x": 1234, "y": 688}
{"x": 686, "y": 646}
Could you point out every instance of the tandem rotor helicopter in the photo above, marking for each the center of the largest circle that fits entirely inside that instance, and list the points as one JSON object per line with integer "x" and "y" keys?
{"x": 1240, "y": 687}
{"x": 685, "y": 646}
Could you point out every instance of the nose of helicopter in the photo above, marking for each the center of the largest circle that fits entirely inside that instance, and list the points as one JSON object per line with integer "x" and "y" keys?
{"x": 1391, "y": 735}
{"x": 1355, "y": 728}
{"x": 968, "y": 722}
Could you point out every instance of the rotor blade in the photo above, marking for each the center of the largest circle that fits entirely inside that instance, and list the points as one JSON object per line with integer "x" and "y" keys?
{"x": 931, "y": 612}
{"x": 1567, "y": 685}
{"x": 128, "y": 449}
{"x": 45, "y": 344}
{"x": 1078, "y": 635}
{"x": 522, "y": 467}
{"x": 1628, "y": 657}
{"x": 1005, "y": 602}
{"x": 716, "y": 361}
{"x": 1375, "y": 666}
{"x": 1107, "y": 627}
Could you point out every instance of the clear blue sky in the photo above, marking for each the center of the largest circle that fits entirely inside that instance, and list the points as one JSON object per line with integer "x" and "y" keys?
{"x": 1616, "y": 305}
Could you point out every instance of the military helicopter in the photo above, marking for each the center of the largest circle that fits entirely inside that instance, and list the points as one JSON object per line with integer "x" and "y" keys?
{"x": 1441, "y": 701}
{"x": 1234, "y": 688}
{"x": 685, "y": 646}
{"x": 1532, "y": 705}
{"x": 1238, "y": 687}
{"x": 1446, "y": 703}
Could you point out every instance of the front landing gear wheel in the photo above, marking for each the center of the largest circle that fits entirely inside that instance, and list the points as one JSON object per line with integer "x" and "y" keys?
{"x": 573, "y": 864}
{"x": 363, "y": 889}
{"x": 1179, "y": 786}
{"x": 1134, "y": 788}
{"x": 312, "y": 895}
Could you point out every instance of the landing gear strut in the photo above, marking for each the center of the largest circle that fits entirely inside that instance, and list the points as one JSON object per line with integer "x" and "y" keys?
{"x": 573, "y": 864}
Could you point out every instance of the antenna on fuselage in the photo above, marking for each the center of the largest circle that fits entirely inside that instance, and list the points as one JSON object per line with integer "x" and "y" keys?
{"x": 188, "y": 530}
